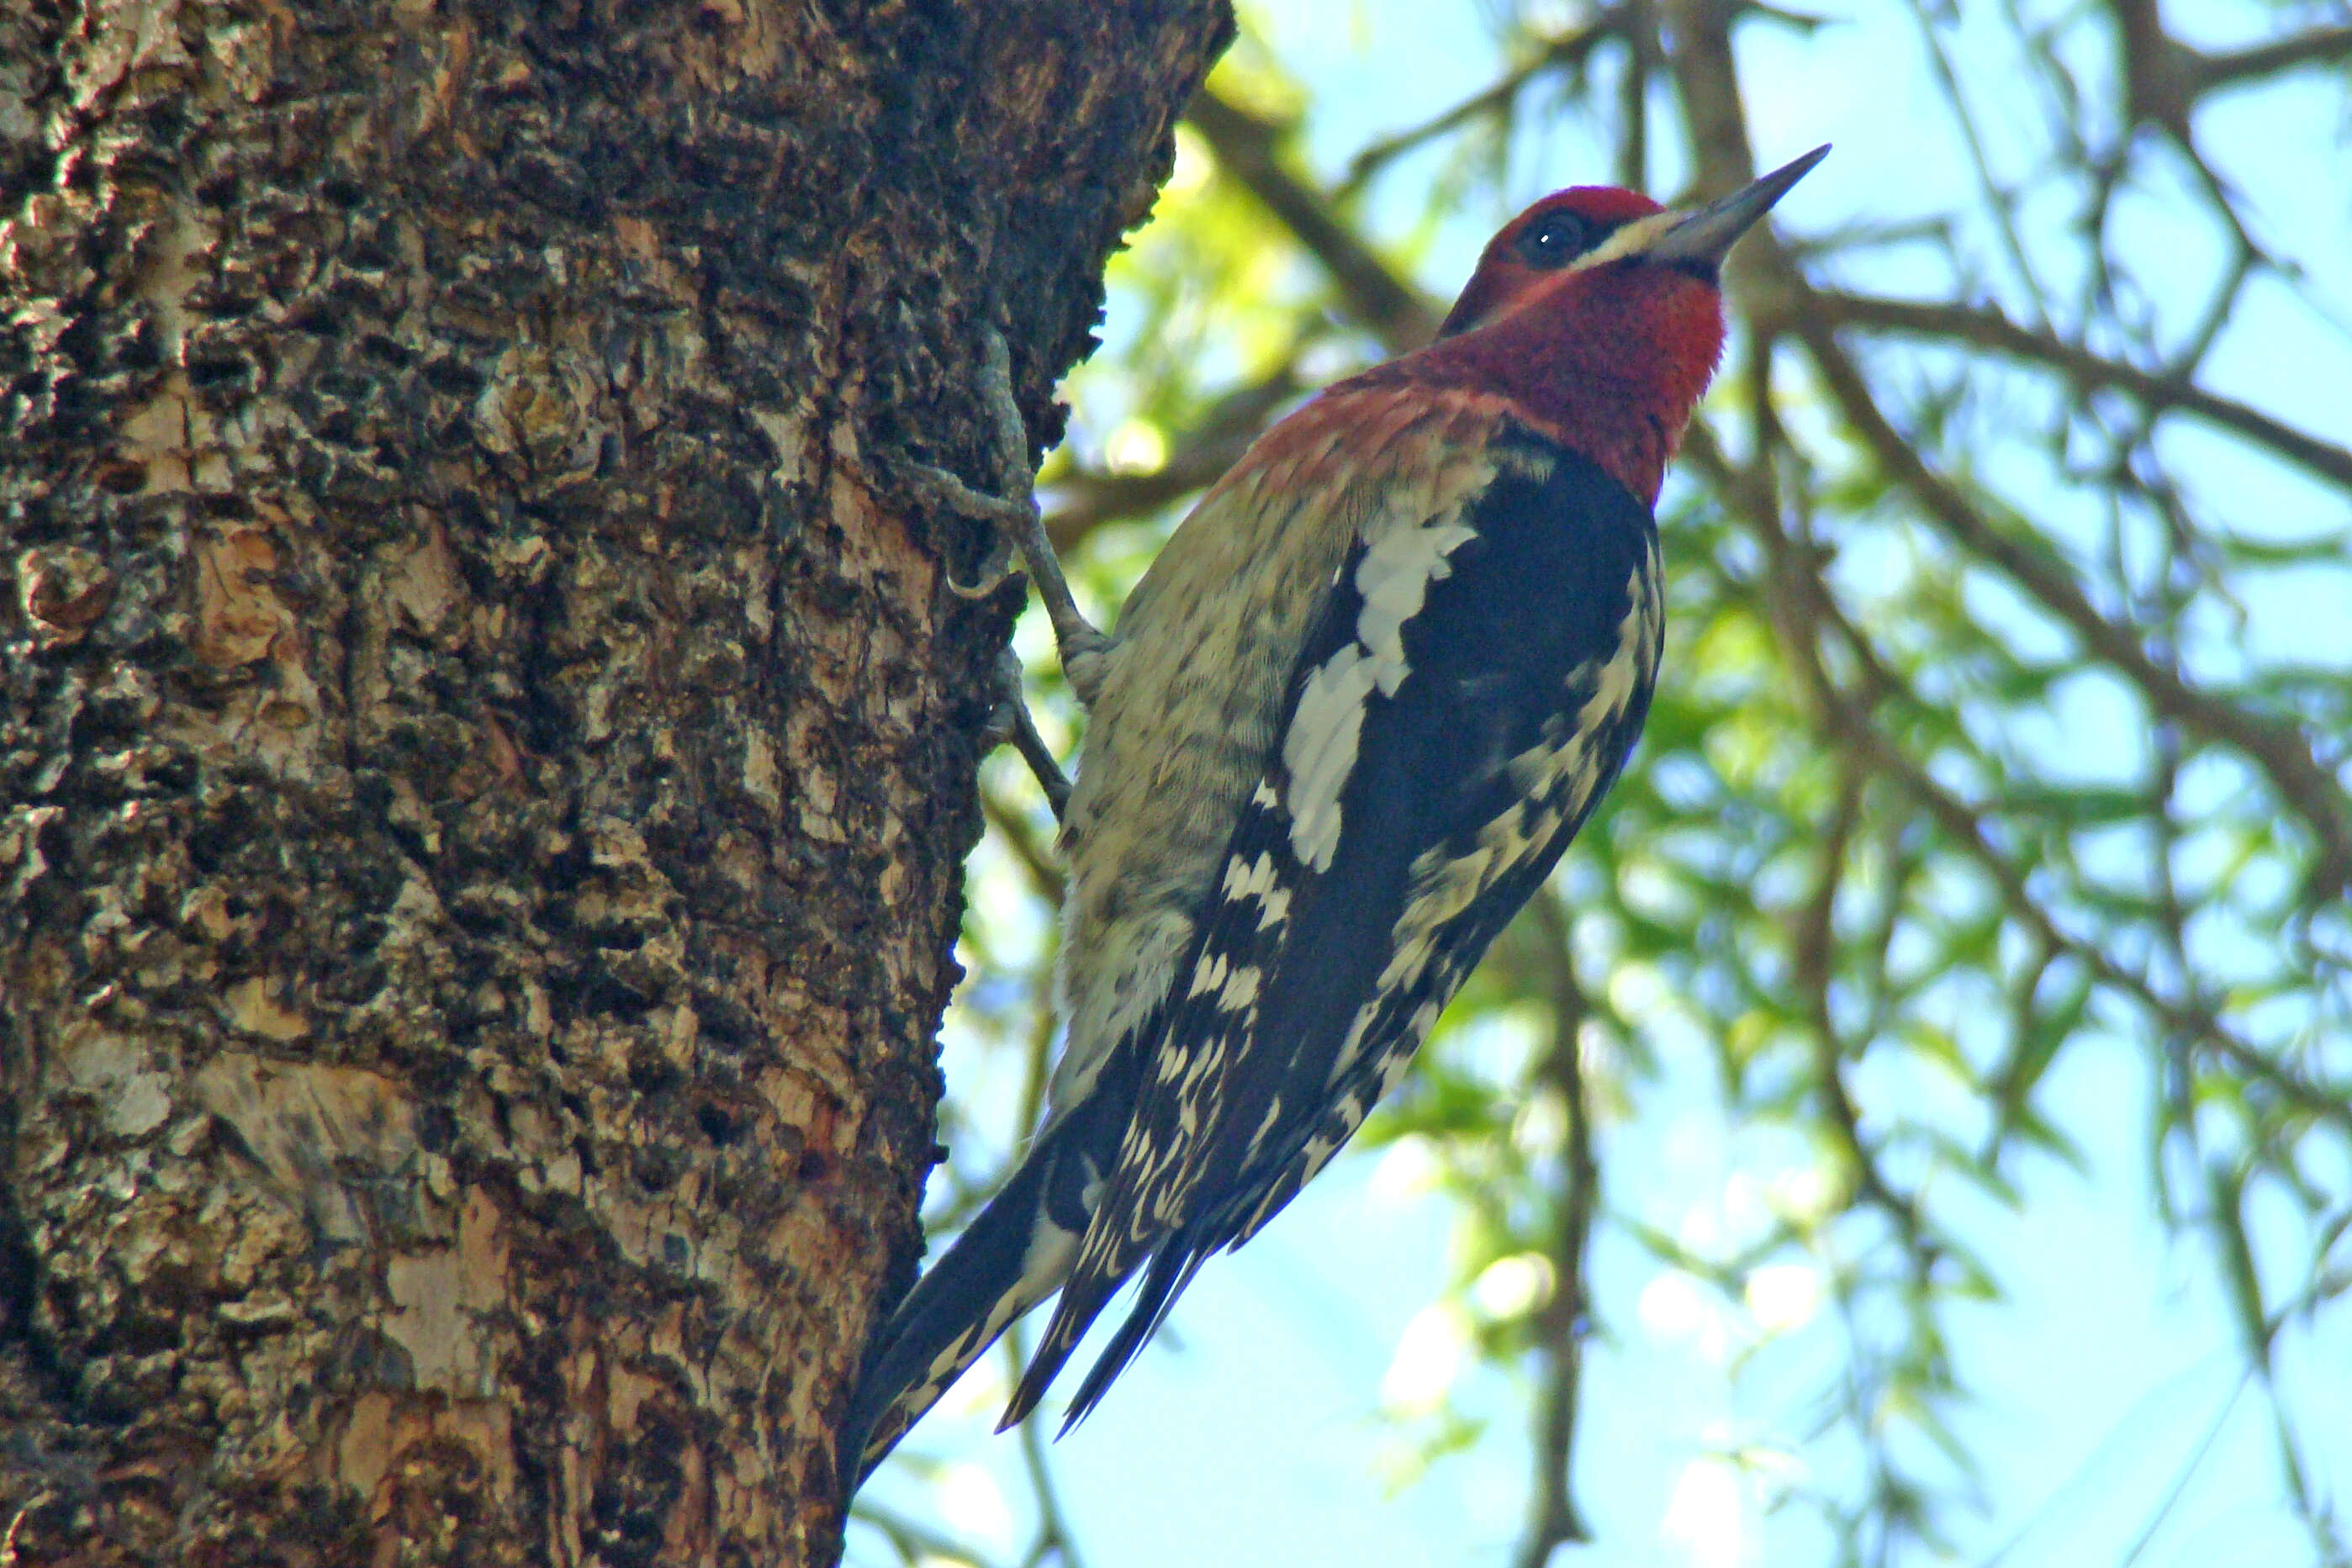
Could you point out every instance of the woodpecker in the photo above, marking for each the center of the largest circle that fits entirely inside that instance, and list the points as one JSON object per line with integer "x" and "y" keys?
{"x": 1346, "y": 724}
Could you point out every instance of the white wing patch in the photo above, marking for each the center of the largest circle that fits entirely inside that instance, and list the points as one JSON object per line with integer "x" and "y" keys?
{"x": 1319, "y": 752}
{"x": 1393, "y": 579}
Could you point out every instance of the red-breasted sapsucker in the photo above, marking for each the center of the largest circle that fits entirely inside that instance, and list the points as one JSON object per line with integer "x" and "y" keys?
{"x": 1348, "y": 721}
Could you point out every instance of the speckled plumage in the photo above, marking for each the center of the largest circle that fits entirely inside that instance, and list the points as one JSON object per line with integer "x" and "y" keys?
{"x": 1347, "y": 722}
{"x": 1484, "y": 728}
{"x": 1188, "y": 712}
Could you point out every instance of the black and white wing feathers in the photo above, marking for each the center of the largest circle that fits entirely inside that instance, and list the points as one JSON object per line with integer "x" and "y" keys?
{"x": 1468, "y": 692}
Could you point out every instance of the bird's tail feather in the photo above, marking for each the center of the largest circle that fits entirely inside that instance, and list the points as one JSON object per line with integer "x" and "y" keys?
{"x": 1172, "y": 1271}
{"x": 1012, "y": 1256}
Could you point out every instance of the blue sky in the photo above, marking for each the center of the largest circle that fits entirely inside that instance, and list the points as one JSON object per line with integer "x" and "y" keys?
{"x": 2108, "y": 1371}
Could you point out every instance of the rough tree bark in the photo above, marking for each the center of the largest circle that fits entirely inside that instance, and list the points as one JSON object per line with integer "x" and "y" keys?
{"x": 486, "y": 748}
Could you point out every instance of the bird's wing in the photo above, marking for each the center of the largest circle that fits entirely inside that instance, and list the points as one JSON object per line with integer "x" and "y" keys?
{"x": 1472, "y": 685}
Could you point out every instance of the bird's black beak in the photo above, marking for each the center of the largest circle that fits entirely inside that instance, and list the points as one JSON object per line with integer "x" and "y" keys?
{"x": 1706, "y": 235}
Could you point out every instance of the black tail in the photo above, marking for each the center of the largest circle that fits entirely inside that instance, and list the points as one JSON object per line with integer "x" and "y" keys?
{"x": 1016, "y": 1254}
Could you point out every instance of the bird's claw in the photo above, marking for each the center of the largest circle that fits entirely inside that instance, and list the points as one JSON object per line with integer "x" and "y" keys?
{"x": 1009, "y": 722}
{"x": 998, "y": 572}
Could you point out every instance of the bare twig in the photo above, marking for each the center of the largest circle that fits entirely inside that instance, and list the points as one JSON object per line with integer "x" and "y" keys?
{"x": 1085, "y": 501}
{"x": 2319, "y": 46}
{"x": 1982, "y": 327}
{"x": 1564, "y": 51}
{"x": 1847, "y": 718}
{"x": 2001, "y": 202}
{"x": 2281, "y": 753}
{"x": 1560, "y": 1326}
{"x": 1044, "y": 875}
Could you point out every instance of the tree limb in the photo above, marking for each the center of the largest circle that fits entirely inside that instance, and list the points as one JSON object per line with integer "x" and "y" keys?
{"x": 2319, "y": 45}
{"x": 1984, "y": 326}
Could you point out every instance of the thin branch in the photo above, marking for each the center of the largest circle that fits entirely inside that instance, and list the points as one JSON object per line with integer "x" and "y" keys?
{"x": 1566, "y": 50}
{"x": 1054, "y": 1538}
{"x": 1035, "y": 859}
{"x": 912, "y": 1539}
{"x": 2156, "y": 69}
{"x": 1560, "y": 1326}
{"x": 2319, "y": 46}
{"x": 1848, "y": 718}
{"x": 1982, "y": 327}
{"x": 1999, "y": 202}
{"x": 1085, "y": 501}
{"x": 2280, "y": 750}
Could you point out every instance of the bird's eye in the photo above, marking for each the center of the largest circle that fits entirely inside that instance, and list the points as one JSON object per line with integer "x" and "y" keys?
{"x": 1555, "y": 239}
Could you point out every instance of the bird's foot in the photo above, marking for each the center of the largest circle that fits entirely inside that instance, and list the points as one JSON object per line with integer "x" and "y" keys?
{"x": 1015, "y": 519}
{"x": 1010, "y": 723}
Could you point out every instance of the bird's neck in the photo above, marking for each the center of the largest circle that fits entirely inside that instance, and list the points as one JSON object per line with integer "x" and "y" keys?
{"x": 1613, "y": 374}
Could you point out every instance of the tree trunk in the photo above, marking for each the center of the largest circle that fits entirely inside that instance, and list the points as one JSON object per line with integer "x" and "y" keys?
{"x": 487, "y": 748}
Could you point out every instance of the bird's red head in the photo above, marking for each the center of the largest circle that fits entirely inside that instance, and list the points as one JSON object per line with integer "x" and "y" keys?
{"x": 1537, "y": 247}
{"x": 1598, "y": 315}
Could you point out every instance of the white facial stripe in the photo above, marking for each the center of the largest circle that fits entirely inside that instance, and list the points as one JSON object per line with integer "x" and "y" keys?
{"x": 1630, "y": 239}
